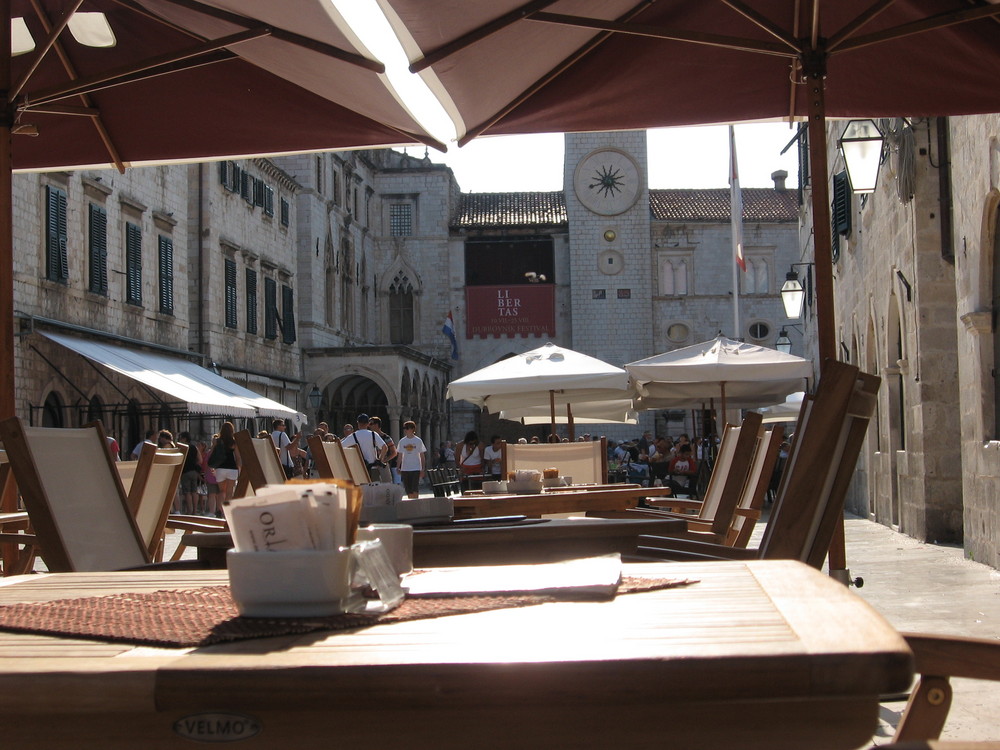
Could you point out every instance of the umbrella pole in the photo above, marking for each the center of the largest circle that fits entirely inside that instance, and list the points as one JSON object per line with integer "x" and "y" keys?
{"x": 552, "y": 413}
{"x": 7, "y": 379}
{"x": 569, "y": 422}
{"x": 814, "y": 67}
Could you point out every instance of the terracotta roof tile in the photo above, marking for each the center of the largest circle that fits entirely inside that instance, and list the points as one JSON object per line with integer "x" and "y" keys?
{"x": 759, "y": 204}
{"x": 510, "y": 209}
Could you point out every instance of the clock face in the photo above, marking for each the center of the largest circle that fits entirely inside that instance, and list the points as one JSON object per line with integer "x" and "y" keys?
{"x": 607, "y": 181}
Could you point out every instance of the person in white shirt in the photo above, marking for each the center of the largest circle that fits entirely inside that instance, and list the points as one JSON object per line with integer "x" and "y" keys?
{"x": 493, "y": 458}
{"x": 412, "y": 459}
{"x": 372, "y": 446}
{"x": 281, "y": 441}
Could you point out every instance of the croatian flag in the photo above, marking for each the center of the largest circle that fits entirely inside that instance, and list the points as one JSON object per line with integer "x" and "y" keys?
{"x": 448, "y": 329}
{"x": 736, "y": 203}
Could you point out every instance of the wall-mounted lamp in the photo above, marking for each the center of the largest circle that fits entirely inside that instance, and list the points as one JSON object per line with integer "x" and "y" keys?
{"x": 861, "y": 144}
{"x": 783, "y": 343}
{"x": 315, "y": 397}
{"x": 793, "y": 295}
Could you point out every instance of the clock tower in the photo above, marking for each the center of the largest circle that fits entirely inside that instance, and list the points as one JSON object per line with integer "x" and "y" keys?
{"x": 611, "y": 274}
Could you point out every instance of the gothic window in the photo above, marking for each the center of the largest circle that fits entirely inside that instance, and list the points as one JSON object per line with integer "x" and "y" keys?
{"x": 401, "y": 311}
{"x": 133, "y": 263}
{"x": 757, "y": 278}
{"x": 165, "y": 258}
{"x": 98, "y": 247}
{"x": 56, "y": 260}
{"x": 673, "y": 277}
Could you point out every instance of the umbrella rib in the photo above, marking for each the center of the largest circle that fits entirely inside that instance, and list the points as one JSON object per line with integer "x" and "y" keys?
{"x": 278, "y": 33}
{"x": 764, "y": 23}
{"x": 940, "y": 21}
{"x": 834, "y": 41}
{"x": 53, "y": 35}
{"x": 678, "y": 35}
{"x": 147, "y": 68}
{"x": 71, "y": 71}
{"x": 478, "y": 34}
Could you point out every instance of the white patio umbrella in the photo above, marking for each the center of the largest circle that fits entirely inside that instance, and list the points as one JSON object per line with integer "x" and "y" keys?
{"x": 549, "y": 375}
{"x": 787, "y": 411}
{"x": 741, "y": 375}
{"x": 617, "y": 411}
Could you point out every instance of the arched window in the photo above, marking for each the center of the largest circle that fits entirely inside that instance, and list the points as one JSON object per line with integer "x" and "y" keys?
{"x": 673, "y": 277}
{"x": 401, "y": 310}
{"x": 52, "y": 411}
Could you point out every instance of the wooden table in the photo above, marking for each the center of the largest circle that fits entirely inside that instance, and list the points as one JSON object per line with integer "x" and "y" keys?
{"x": 763, "y": 654}
{"x": 577, "y": 499}
{"x": 552, "y": 539}
{"x": 548, "y": 540}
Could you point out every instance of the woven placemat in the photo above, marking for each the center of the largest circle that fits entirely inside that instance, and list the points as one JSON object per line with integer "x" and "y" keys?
{"x": 207, "y": 615}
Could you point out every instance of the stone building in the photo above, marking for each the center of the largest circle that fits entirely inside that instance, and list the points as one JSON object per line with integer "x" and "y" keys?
{"x": 146, "y": 265}
{"x": 916, "y": 300}
{"x": 321, "y": 281}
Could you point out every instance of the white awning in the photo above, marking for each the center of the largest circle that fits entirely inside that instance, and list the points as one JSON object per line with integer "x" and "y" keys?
{"x": 202, "y": 390}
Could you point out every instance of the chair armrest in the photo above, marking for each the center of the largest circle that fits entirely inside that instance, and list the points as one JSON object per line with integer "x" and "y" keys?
{"x": 747, "y": 513}
{"x": 6, "y": 538}
{"x": 673, "y": 502}
{"x": 691, "y": 549}
{"x": 181, "y": 525}
{"x": 217, "y": 523}
{"x": 955, "y": 656}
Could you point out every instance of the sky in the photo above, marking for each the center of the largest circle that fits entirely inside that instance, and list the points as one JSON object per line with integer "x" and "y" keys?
{"x": 693, "y": 157}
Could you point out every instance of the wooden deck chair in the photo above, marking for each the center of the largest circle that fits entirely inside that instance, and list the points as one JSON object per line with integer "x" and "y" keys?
{"x": 329, "y": 458}
{"x": 717, "y": 510}
{"x": 74, "y": 498}
{"x": 828, "y": 440}
{"x": 14, "y": 558}
{"x": 259, "y": 464}
{"x": 152, "y": 490}
{"x": 748, "y": 509}
{"x": 586, "y": 462}
{"x": 356, "y": 465}
{"x": 444, "y": 481}
{"x": 937, "y": 659}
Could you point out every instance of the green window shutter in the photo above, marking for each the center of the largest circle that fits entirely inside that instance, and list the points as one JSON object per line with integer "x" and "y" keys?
{"x": 251, "y": 301}
{"x": 98, "y": 245}
{"x": 287, "y": 315}
{"x": 268, "y": 200}
{"x": 270, "y": 309}
{"x": 56, "y": 260}
{"x": 166, "y": 264}
{"x": 133, "y": 264}
{"x": 285, "y": 211}
{"x": 230, "y": 293}
{"x": 840, "y": 210}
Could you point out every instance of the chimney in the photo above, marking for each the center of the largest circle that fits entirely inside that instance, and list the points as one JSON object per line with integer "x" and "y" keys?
{"x": 779, "y": 178}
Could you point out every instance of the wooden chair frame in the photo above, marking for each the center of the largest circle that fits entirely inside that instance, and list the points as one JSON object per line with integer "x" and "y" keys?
{"x": 259, "y": 464}
{"x": 329, "y": 458}
{"x": 717, "y": 511}
{"x": 829, "y": 436}
{"x": 586, "y": 462}
{"x": 81, "y": 519}
{"x": 152, "y": 491}
{"x": 356, "y": 464}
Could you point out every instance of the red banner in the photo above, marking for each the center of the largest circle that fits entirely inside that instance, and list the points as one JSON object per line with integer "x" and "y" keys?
{"x": 516, "y": 310}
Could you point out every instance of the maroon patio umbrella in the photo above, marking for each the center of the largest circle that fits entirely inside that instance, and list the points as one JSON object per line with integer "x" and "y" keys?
{"x": 182, "y": 80}
{"x": 509, "y": 66}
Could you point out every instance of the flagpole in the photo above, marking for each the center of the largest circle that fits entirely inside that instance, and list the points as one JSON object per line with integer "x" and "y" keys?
{"x": 736, "y": 217}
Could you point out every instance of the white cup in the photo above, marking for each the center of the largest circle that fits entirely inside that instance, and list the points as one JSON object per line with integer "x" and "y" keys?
{"x": 291, "y": 583}
{"x": 397, "y": 538}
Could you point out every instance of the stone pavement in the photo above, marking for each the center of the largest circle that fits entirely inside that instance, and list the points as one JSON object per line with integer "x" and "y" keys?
{"x": 919, "y": 587}
{"x": 930, "y": 588}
